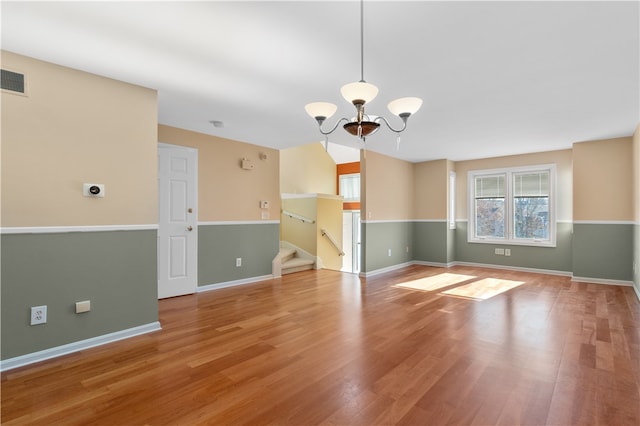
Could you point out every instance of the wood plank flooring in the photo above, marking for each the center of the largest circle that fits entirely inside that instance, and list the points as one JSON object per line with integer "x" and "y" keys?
{"x": 322, "y": 347}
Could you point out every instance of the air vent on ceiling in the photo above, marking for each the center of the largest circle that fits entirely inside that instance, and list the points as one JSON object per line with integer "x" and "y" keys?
{"x": 12, "y": 81}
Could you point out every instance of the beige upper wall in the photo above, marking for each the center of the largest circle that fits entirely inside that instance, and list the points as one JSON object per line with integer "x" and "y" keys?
{"x": 431, "y": 189}
{"x": 603, "y": 176}
{"x": 388, "y": 187}
{"x": 226, "y": 192}
{"x": 74, "y": 128}
{"x": 636, "y": 173}
{"x": 307, "y": 169}
{"x": 299, "y": 233}
{"x": 562, "y": 159}
{"x": 330, "y": 219}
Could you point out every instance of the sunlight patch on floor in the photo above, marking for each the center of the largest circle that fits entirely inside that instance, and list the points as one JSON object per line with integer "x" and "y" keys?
{"x": 483, "y": 289}
{"x": 435, "y": 282}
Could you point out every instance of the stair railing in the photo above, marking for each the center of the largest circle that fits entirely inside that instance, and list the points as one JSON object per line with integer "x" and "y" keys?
{"x": 297, "y": 216}
{"x": 326, "y": 234}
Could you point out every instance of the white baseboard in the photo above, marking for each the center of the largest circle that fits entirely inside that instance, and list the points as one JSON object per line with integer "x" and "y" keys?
{"x": 622, "y": 283}
{"x": 57, "y": 351}
{"x": 448, "y": 265}
{"x": 234, "y": 283}
{"x": 434, "y": 264}
{"x": 602, "y": 281}
{"x": 514, "y": 268}
{"x": 384, "y": 270}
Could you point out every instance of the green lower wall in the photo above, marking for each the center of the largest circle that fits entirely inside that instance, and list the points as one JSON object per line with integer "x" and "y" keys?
{"x": 544, "y": 258}
{"x": 636, "y": 258}
{"x": 378, "y": 238}
{"x": 434, "y": 242}
{"x": 219, "y": 246}
{"x": 596, "y": 251}
{"x": 603, "y": 251}
{"x": 115, "y": 270}
{"x": 451, "y": 245}
{"x": 431, "y": 242}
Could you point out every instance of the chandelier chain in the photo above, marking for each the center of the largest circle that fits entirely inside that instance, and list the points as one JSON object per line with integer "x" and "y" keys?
{"x": 362, "y": 40}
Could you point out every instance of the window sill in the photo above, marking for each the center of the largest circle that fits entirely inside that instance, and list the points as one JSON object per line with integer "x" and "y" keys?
{"x": 548, "y": 244}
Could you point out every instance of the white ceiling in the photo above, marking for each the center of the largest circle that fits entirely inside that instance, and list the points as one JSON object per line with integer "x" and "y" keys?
{"x": 497, "y": 78}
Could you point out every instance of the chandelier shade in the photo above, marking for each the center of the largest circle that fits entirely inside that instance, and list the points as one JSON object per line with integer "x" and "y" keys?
{"x": 320, "y": 109}
{"x": 359, "y": 92}
{"x": 405, "y": 106}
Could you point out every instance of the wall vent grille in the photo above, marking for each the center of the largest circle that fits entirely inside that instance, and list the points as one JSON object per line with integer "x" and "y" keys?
{"x": 12, "y": 81}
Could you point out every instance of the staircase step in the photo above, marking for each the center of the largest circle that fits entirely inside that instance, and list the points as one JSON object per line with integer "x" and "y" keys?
{"x": 287, "y": 254}
{"x": 296, "y": 265}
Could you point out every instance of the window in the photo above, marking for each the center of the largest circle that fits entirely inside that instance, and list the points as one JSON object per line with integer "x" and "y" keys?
{"x": 489, "y": 206}
{"x": 512, "y": 206}
{"x": 531, "y": 205}
{"x": 350, "y": 186}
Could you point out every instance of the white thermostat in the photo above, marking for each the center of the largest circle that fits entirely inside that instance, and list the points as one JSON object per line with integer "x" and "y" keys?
{"x": 93, "y": 190}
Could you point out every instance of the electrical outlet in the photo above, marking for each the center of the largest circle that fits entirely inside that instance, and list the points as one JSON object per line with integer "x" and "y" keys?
{"x": 238, "y": 262}
{"x": 507, "y": 252}
{"x": 38, "y": 315}
{"x": 389, "y": 252}
{"x": 84, "y": 306}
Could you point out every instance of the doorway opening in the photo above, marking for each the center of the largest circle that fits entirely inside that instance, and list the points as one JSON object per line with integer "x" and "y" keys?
{"x": 351, "y": 241}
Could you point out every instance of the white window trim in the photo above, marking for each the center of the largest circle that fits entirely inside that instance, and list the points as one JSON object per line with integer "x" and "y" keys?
{"x": 452, "y": 200}
{"x": 509, "y": 227}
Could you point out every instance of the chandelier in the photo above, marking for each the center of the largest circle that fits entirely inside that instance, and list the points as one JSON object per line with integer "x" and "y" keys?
{"x": 360, "y": 93}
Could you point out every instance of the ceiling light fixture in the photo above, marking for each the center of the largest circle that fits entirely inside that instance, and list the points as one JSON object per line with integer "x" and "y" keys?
{"x": 359, "y": 93}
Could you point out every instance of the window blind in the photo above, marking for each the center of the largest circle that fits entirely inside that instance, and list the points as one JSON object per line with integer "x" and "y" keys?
{"x": 350, "y": 186}
{"x": 490, "y": 186}
{"x": 531, "y": 184}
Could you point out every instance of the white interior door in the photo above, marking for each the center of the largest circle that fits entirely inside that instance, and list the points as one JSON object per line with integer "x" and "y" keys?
{"x": 178, "y": 221}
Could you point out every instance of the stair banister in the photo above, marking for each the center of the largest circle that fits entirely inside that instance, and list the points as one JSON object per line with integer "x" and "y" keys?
{"x": 326, "y": 234}
{"x": 297, "y": 216}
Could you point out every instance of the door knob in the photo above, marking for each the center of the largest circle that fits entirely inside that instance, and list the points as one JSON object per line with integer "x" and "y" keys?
{"x": 189, "y": 228}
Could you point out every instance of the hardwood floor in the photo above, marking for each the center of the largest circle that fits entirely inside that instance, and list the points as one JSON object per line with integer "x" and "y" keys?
{"x": 322, "y": 347}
